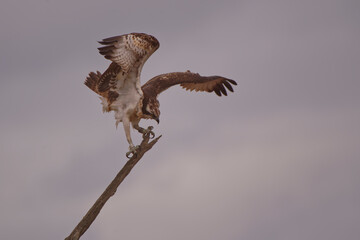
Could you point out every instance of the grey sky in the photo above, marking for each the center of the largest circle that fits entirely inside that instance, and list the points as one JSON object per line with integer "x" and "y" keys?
{"x": 277, "y": 159}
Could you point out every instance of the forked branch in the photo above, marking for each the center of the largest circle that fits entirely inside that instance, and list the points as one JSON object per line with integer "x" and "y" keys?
{"x": 90, "y": 216}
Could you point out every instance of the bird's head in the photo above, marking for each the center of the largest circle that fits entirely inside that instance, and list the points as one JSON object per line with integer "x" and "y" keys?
{"x": 151, "y": 109}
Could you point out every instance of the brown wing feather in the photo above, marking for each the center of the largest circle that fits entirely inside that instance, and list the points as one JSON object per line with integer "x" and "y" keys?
{"x": 128, "y": 53}
{"x": 189, "y": 81}
{"x": 93, "y": 80}
{"x": 126, "y": 50}
{"x": 108, "y": 78}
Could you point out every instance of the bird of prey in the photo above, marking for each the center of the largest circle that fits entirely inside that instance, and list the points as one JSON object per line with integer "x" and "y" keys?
{"x": 119, "y": 86}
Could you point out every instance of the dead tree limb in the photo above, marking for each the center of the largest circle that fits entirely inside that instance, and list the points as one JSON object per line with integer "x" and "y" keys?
{"x": 90, "y": 216}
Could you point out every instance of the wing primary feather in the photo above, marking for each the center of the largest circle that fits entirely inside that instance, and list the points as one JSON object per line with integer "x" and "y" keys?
{"x": 217, "y": 91}
{"x": 103, "y": 42}
{"x": 109, "y": 40}
{"x": 228, "y": 85}
{"x": 106, "y": 49}
{"x": 222, "y": 89}
{"x": 232, "y": 81}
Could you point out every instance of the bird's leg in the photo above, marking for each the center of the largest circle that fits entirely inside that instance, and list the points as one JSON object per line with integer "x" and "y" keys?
{"x": 145, "y": 132}
{"x": 132, "y": 148}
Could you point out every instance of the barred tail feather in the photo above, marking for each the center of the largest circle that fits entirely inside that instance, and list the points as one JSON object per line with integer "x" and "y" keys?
{"x": 92, "y": 81}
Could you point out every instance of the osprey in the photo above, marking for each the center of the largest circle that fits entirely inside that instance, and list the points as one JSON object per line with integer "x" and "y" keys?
{"x": 119, "y": 86}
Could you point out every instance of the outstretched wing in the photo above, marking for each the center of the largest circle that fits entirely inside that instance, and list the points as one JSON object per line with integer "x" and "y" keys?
{"x": 189, "y": 81}
{"x": 128, "y": 53}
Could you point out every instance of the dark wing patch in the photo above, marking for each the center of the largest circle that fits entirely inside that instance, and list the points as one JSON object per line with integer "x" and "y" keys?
{"x": 108, "y": 78}
{"x": 214, "y": 83}
{"x": 92, "y": 80}
{"x": 189, "y": 81}
{"x": 112, "y": 96}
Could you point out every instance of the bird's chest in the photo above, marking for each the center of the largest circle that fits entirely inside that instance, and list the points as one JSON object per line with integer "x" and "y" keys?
{"x": 127, "y": 100}
{"x": 129, "y": 96}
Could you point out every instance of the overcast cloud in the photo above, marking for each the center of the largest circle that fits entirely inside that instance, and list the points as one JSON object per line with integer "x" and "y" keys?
{"x": 277, "y": 159}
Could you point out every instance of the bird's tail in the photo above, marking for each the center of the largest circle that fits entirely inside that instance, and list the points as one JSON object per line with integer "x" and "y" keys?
{"x": 92, "y": 81}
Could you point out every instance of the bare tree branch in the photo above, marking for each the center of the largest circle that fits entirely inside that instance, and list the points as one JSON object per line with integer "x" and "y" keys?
{"x": 90, "y": 216}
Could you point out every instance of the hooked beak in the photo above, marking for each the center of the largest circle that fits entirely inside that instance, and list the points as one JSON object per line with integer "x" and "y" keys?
{"x": 157, "y": 120}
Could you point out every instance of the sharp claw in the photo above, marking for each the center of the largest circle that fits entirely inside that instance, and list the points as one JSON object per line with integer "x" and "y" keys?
{"x": 148, "y": 132}
{"x": 132, "y": 151}
{"x": 152, "y": 134}
{"x": 128, "y": 154}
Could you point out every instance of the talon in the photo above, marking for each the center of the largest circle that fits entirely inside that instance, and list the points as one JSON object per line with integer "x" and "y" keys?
{"x": 152, "y": 134}
{"x": 128, "y": 154}
{"x": 132, "y": 151}
{"x": 148, "y": 132}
